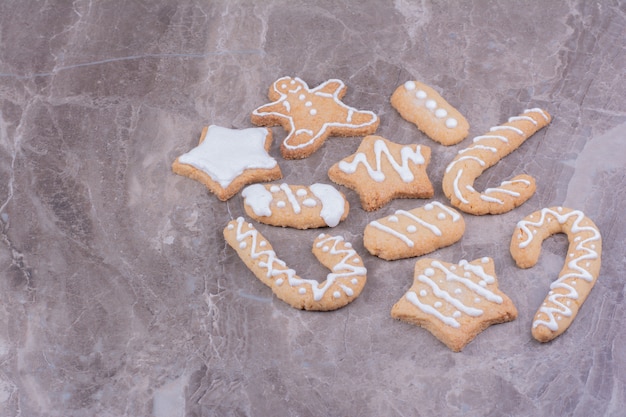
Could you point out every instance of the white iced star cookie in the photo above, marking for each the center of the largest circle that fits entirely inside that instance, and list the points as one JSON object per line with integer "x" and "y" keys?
{"x": 225, "y": 160}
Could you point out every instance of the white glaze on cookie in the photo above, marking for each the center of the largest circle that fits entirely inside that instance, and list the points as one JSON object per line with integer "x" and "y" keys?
{"x": 582, "y": 263}
{"x": 224, "y": 154}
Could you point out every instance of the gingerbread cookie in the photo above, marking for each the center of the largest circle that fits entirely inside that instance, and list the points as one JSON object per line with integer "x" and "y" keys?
{"x": 454, "y": 302}
{"x": 486, "y": 151}
{"x": 420, "y": 104}
{"x": 297, "y": 206}
{"x": 311, "y": 115}
{"x": 412, "y": 233}
{"x": 578, "y": 275}
{"x": 342, "y": 285}
{"x": 381, "y": 171}
{"x": 225, "y": 160}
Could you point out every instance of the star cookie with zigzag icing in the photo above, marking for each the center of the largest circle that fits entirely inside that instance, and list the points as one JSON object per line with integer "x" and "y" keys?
{"x": 454, "y": 302}
{"x": 381, "y": 170}
{"x": 227, "y": 159}
{"x": 311, "y": 115}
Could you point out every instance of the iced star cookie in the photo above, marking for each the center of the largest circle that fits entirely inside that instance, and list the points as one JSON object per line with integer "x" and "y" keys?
{"x": 225, "y": 160}
{"x": 454, "y": 302}
{"x": 485, "y": 151}
{"x": 342, "y": 285}
{"x": 297, "y": 206}
{"x": 420, "y": 104}
{"x": 381, "y": 170}
{"x": 578, "y": 275}
{"x": 311, "y": 115}
{"x": 415, "y": 232}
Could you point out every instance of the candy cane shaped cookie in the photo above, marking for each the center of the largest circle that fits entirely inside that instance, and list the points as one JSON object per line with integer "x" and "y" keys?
{"x": 486, "y": 151}
{"x": 342, "y": 285}
{"x": 579, "y": 273}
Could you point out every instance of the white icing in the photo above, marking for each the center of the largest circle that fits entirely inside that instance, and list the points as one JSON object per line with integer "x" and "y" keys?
{"x": 514, "y": 129}
{"x": 227, "y": 153}
{"x": 309, "y": 202}
{"x": 409, "y": 85}
{"x": 430, "y": 104}
{"x": 333, "y": 203}
{"x": 526, "y": 118}
{"x": 482, "y": 137}
{"x": 451, "y": 123}
{"x": 441, "y": 113}
{"x": 421, "y": 94}
{"x": 538, "y": 110}
{"x": 259, "y": 199}
{"x": 455, "y": 185}
{"x": 291, "y": 198}
{"x": 380, "y": 147}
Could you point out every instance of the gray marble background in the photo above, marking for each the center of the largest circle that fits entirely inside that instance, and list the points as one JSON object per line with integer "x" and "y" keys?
{"x": 118, "y": 295}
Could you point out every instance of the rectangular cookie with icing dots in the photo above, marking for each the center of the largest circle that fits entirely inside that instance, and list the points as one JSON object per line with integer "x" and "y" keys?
{"x": 297, "y": 206}
{"x": 412, "y": 233}
{"x": 423, "y": 106}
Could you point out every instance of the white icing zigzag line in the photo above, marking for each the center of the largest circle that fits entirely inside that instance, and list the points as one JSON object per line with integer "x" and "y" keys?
{"x": 380, "y": 147}
{"x": 581, "y": 273}
{"x": 477, "y": 270}
{"x": 341, "y": 269}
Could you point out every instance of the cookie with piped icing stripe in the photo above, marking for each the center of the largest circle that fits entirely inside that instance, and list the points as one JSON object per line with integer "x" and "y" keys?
{"x": 432, "y": 114}
{"x": 311, "y": 115}
{"x": 485, "y": 151}
{"x": 455, "y": 302}
{"x": 416, "y": 232}
{"x": 381, "y": 170}
{"x": 342, "y": 285}
{"x": 297, "y": 206}
{"x": 579, "y": 273}
{"x": 226, "y": 160}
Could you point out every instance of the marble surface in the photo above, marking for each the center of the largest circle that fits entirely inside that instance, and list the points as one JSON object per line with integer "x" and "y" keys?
{"x": 118, "y": 294}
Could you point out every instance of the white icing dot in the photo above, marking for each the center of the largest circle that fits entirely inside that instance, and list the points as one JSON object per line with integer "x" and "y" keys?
{"x": 593, "y": 246}
{"x": 411, "y": 229}
{"x": 423, "y": 293}
{"x": 292, "y": 82}
{"x": 573, "y": 282}
{"x": 325, "y": 249}
{"x": 263, "y": 244}
{"x": 421, "y": 94}
{"x": 301, "y": 96}
{"x": 428, "y": 207}
{"x": 309, "y": 202}
{"x": 274, "y": 188}
{"x": 451, "y": 123}
{"x": 283, "y": 86}
{"x": 354, "y": 280}
{"x": 308, "y": 104}
{"x": 313, "y": 112}
{"x": 356, "y": 261}
{"x": 409, "y": 85}
{"x": 484, "y": 260}
{"x": 279, "y": 281}
{"x": 467, "y": 275}
{"x": 482, "y": 283}
{"x": 242, "y": 245}
{"x": 429, "y": 272}
{"x": 441, "y": 113}
{"x": 477, "y": 300}
{"x": 456, "y": 314}
{"x": 336, "y": 294}
{"x": 458, "y": 291}
{"x": 393, "y": 219}
{"x": 230, "y": 227}
{"x": 453, "y": 268}
{"x": 301, "y": 192}
{"x": 431, "y": 104}
{"x": 302, "y": 290}
{"x": 438, "y": 304}
{"x": 441, "y": 216}
{"x": 348, "y": 245}
{"x": 571, "y": 255}
{"x": 559, "y": 209}
{"x": 281, "y": 204}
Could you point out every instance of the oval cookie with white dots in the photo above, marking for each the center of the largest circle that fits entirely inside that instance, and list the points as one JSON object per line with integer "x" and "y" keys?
{"x": 297, "y": 206}
{"x": 406, "y": 234}
{"x": 422, "y": 105}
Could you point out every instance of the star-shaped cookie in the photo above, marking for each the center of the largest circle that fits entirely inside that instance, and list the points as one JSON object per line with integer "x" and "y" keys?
{"x": 227, "y": 159}
{"x": 381, "y": 171}
{"x": 311, "y": 115}
{"x": 454, "y": 302}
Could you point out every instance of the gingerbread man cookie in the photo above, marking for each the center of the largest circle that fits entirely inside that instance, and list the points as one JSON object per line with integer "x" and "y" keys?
{"x": 225, "y": 160}
{"x": 422, "y": 105}
{"x": 342, "y": 285}
{"x": 310, "y": 116}
{"x": 381, "y": 171}
{"x": 486, "y": 151}
{"x": 454, "y": 302}
{"x": 578, "y": 275}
